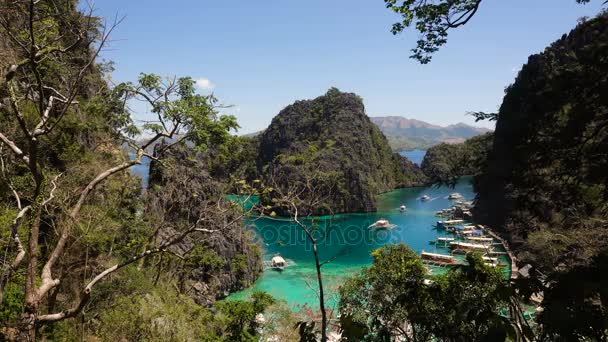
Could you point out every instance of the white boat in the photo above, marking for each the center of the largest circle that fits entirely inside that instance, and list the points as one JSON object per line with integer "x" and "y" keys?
{"x": 465, "y": 246}
{"x": 490, "y": 260}
{"x": 425, "y": 198}
{"x": 382, "y": 224}
{"x": 455, "y": 196}
{"x": 444, "y": 241}
{"x": 439, "y": 258}
{"x": 480, "y": 239}
{"x": 277, "y": 263}
{"x": 402, "y": 208}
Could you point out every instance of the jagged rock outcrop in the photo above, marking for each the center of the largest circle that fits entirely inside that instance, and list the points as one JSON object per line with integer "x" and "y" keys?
{"x": 331, "y": 140}
{"x": 546, "y": 177}
{"x": 182, "y": 193}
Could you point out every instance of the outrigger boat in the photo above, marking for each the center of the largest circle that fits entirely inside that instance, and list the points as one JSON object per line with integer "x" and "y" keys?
{"x": 277, "y": 263}
{"x": 464, "y": 204}
{"x": 382, "y": 223}
{"x": 402, "y": 208}
{"x": 445, "y": 212}
{"x": 425, "y": 198}
{"x": 480, "y": 239}
{"x": 442, "y": 241}
{"x": 448, "y": 223}
{"x": 454, "y": 196}
{"x": 465, "y": 246}
{"x": 493, "y": 262}
{"x": 438, "y": 258}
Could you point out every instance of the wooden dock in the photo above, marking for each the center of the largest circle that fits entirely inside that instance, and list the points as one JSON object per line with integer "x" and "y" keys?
{"x": 505, "y": 245}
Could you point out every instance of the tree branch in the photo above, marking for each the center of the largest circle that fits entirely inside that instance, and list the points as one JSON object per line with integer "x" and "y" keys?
{"x": 86, "y": 294}
{"x": 16, "y": 150}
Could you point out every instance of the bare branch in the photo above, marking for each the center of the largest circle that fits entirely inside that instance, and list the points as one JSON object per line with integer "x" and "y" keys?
{"x": 52, "y": 193}
{"x": 86, "y": 294}
{"x": 100, "y": 178}
{"x": 16, "y": 150}
{"x": 47, "y": 279}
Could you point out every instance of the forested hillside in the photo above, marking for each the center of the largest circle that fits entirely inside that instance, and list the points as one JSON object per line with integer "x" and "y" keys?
{"x": 446, "y": 163}
{"x": 330, "y": 143}
{"x": 86, "y": 255}
{"x": 408, "y": 134}
{"x": 545, "y": 181}
{"x": 546, "y": 173}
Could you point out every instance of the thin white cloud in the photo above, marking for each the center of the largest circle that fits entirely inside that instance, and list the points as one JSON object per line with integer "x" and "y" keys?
{"x": 204, "y": 84}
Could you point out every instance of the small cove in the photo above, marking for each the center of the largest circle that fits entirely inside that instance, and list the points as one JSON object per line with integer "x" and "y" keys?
{"x": 349, "y": 241}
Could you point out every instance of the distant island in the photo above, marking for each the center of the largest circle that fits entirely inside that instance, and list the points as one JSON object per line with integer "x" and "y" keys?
{"x": 405, "y": 134}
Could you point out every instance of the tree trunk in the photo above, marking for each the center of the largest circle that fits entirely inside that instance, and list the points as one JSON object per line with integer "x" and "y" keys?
{"x": 321, "y": 295}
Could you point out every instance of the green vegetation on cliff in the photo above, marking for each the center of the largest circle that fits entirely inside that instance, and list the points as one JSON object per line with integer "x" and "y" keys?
{"x": 395, "y": 299}
{"x": 445, "y": 163}
{"x": 544, "y": 184}
{"x": 545, "y": 177}
{"x": 86, "y": 254}
{"x": 332, "y": 141}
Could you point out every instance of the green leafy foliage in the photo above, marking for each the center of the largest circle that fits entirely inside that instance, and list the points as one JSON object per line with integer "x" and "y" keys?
{"x": 240, "y": 318}
{"x": 195, "y": 115}
{"x": 433, "y": 20}
{"x": 393, "y": 299}
{"x": 574, "y": 306}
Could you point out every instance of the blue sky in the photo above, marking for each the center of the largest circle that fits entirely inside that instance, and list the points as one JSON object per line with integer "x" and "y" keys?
{"x": 261, "y": 55}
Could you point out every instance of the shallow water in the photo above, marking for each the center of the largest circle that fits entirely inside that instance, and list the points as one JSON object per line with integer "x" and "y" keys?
{"x": 349, "y": 241}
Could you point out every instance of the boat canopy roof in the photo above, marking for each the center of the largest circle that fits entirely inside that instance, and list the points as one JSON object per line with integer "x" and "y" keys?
{"x": 468, "y": 245}
{"x": 453, "y": 221}
{"x": 438, "y": 256}
{"x": 278, "y": 260}
{"x": 475, "y": 238}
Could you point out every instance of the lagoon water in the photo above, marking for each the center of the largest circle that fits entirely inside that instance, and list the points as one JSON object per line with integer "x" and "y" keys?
{"x": 349, "y": 241}
{"x": 415, "y": 156}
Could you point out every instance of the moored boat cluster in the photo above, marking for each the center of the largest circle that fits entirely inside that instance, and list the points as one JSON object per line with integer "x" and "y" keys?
{"x": 465, "y": 237}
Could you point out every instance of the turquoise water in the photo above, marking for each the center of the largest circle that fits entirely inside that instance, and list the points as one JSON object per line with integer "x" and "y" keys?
{"x": 141, "y": 170}
{"x": 415, "y": 156}
{"x": 349, "y": 241}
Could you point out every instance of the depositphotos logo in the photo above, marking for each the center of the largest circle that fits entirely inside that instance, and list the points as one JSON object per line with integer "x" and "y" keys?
{"x": 291, "y": 234}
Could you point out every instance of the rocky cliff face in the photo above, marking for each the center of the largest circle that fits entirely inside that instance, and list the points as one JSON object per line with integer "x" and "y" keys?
{"x": 332, "y": 140}
{"x": 546, "y": 171}
{"x": 215, "y": 264}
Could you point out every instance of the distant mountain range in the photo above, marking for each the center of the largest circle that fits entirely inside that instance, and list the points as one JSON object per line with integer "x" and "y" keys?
{"x": 408, "y": 134}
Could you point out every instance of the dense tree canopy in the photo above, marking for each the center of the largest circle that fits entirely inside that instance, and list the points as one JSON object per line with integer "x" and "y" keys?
{"x": 395, "y": 298}
{"x": 71, "y": 214}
